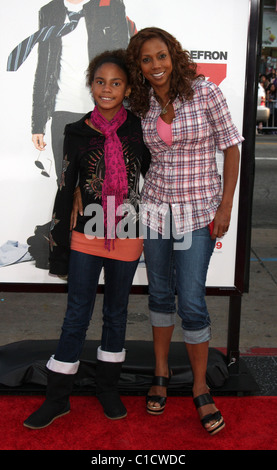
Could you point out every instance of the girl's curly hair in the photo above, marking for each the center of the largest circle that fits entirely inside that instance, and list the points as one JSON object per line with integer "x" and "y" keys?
{"x": 117, "y": 57}
{"x": 184, "y": 70}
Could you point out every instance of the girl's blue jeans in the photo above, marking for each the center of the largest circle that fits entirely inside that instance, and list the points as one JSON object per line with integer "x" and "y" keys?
{"x": 83, "y": 278}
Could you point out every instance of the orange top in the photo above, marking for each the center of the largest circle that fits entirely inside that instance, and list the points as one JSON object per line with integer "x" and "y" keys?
{"x": 127, "y": 249}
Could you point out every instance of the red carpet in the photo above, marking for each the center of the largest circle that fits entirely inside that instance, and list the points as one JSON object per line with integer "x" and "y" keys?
{"x": 250, "y": 425}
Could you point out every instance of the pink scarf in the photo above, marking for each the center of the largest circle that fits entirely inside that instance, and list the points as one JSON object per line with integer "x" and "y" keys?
{"x": 115, "y": 182}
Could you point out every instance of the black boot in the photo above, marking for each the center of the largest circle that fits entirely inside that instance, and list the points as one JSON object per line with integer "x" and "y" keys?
{"x": 56, "y": 404}
{"x": 107, "y": 377}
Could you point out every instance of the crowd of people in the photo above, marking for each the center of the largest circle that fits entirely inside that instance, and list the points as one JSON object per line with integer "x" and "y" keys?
{"x": 269, "y": 83}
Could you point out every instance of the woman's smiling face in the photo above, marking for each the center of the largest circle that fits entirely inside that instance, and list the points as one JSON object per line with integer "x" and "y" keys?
{"x": 156, "y": 63}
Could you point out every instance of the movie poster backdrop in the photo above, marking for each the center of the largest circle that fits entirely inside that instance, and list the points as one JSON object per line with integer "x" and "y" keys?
{"x": 216, "y": 35}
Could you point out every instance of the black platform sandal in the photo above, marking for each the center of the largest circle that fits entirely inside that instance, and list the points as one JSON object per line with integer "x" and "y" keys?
{"x": 219, "y": 424}
{"x": 154, "y": 410}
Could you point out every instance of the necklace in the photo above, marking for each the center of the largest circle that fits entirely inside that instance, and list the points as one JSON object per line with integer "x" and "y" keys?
{"x": 164, "y": 110}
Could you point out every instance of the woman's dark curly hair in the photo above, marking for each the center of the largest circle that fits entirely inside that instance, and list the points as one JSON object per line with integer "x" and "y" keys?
{"x": 117, "y": 57}
{"x": 183, "y": 70}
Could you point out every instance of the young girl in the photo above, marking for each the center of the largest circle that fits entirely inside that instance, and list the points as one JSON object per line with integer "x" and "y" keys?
{"x": 104, "y": 152}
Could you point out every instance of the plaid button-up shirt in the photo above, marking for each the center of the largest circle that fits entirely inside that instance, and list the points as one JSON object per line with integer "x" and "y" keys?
{"x": 184, "y": 175}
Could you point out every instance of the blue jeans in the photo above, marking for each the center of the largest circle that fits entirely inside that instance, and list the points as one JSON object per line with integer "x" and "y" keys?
{"x": 179, "y": 266}
{"x": 84, "y": 272}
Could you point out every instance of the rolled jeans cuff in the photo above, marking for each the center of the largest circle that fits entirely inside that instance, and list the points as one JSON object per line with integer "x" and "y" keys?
{"x": 107, "y": 356}
{"x": 162, "y": 319}
{"x": 68, "y": 368}
{"x": 197, "y": 336}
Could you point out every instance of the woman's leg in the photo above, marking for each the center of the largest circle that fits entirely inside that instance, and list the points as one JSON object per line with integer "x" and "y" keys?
{"x": 162, "y": 338}
{"x": 209, "y": 415}
{"x": 191, "y": 272}
{"x": 161, "y": 279}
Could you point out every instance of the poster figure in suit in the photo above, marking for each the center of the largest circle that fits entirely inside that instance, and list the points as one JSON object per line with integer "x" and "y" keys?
{"x": 70, "y": 34}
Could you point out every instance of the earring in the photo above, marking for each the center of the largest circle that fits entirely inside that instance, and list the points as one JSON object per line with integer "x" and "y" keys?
{"x": 126, "y": 102}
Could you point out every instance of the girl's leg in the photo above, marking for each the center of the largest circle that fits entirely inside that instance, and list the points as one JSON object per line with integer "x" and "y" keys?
{"x": 119, "y": 277}
{"x": 111, "y": 355}
{"x": 84, "y": 272}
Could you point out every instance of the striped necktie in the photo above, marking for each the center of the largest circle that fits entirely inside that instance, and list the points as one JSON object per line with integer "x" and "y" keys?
{"x": 21, "y": 52}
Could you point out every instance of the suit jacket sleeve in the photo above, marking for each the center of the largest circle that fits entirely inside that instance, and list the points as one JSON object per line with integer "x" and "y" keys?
{"x": 119, "y": 27}
{"x": 48, "y": 68}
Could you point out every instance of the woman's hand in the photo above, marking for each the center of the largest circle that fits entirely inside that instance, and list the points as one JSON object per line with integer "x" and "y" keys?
{"x": 221, "y": 221}
{"x": 38, "y": 141}
{"x": 230, "y": 176}
{"x": 77, "y": 208}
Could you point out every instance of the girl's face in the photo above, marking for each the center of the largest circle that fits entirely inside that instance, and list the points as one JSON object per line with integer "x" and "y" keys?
{"x": 109, "y": 88}
{"x": 156, "y": 63}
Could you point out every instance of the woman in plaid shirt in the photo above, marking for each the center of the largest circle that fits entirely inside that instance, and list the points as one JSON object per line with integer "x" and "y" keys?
{"x": 184, "y": 206}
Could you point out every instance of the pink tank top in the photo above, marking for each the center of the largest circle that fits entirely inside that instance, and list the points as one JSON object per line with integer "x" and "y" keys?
{"x": 164, "y": 130}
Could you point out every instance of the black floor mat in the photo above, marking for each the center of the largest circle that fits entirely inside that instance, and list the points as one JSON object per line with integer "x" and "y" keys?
{"x": 264, "y": 371}
{"x": 22, "y": 370}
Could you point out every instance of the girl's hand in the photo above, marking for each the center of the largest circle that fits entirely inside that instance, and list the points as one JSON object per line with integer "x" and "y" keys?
{"x": 77, "y": 208}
